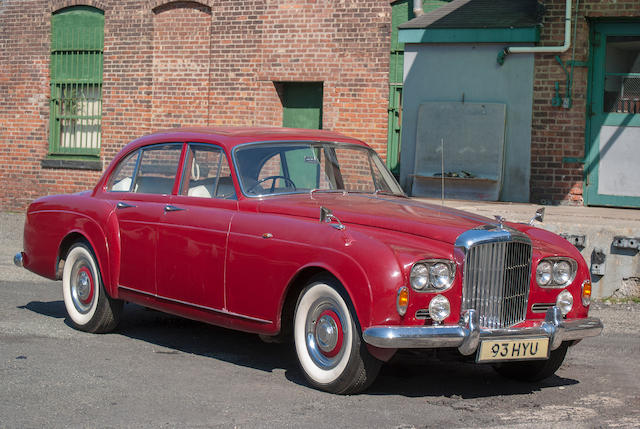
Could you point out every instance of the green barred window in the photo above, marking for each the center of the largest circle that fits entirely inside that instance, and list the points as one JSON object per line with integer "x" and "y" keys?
{"x": 77, "y": 38}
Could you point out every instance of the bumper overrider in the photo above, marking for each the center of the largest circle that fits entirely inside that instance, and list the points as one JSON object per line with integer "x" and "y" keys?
{"x": 467, "y": 334}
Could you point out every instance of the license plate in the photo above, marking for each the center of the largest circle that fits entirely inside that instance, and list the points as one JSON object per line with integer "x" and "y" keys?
{"x": 507, "y": 349}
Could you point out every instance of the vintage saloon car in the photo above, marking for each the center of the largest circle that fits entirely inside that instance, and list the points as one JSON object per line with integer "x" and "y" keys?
{"x": 306, "y": 235}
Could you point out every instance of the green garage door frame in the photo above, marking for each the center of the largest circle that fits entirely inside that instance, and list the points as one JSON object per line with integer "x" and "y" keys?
{"x": 596, "y": 117}
{"x": 401, "y": 12}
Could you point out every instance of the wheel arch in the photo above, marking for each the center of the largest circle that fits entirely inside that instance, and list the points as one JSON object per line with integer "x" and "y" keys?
{"x": 98, "y": 245}
{"x": 295, "y": 287}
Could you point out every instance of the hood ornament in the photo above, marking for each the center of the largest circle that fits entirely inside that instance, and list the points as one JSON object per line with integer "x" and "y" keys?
{"x": 500, "y": 220}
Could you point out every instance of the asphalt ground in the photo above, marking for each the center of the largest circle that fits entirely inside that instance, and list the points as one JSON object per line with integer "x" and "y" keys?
{"x": 157, "y": 370}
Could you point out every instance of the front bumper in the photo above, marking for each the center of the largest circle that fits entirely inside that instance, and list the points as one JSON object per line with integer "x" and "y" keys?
{"x": 467, "y": 335}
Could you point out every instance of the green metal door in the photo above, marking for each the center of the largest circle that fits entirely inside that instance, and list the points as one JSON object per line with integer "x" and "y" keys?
{"x": 613, "y": 117}
{"x": 302, "y": 105}
{"x": 401, "y": 12}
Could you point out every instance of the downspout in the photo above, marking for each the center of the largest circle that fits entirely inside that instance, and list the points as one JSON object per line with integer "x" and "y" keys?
{"x": 417, "y": 8}
{"x": 543, "y": 49}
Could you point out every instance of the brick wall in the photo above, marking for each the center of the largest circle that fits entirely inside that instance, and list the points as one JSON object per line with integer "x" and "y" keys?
{"x": 559, "y": 132}
{"x": 207, "y": 63}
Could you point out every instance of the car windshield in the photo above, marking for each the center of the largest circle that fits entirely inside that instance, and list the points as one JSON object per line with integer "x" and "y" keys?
{"x": 299, "y": 167}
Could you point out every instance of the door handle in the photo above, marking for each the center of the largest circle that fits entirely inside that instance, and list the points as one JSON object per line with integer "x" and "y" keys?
{"x": 170, "y": 208}
{"x": 122, "y": 205}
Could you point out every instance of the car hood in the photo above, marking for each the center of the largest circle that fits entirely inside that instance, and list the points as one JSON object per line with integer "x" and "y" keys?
{"x": 388, "y": 212}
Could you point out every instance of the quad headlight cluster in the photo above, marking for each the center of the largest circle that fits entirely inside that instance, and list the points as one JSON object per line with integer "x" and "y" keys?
{"x": 432, "y": 275}
{"x": 556, "y": 272}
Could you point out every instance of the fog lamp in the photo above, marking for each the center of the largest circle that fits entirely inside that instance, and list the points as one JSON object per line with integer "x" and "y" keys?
{"x": 402, "y": 301}
{"x": 586, "y": 293}
{"x": 564, "y": 302}
{"x": 439, "y": 308}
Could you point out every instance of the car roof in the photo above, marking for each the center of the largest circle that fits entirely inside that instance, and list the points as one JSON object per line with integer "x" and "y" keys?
{"x": 229, "y": 137}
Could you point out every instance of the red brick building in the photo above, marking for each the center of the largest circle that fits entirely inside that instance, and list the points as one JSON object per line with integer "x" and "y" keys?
{"x": 158, "y": 64}
{"x": 562, "y": 136}
{"x": 169, "y": 64}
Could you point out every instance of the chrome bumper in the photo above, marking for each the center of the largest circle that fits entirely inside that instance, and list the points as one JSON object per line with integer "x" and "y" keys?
{"x": 467, "y": 335}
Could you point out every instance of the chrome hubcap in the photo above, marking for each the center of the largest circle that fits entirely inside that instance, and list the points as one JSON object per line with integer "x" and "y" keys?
{"x": 82, "y": 286}
{"x": 324, "y": 333}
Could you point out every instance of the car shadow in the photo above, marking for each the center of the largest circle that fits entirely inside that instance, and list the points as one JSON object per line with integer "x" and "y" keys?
{"x": 188, "y": 336}
{"x": 53, "y": 309}
{"x": 425, "y": 376}
{"x": 434, "y": 377}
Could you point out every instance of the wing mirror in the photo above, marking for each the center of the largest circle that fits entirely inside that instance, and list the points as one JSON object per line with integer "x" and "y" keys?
{"x": 539, "y": 216}
{"x": 326, "y": 216}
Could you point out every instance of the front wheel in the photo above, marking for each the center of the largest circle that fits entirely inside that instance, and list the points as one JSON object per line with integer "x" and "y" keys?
{"x": 536, "y": 370}
{"x": 89, "y": 307}
{"x": 328, "y": 343}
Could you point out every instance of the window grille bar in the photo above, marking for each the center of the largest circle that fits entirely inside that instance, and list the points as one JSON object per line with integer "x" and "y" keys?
{"x": 76, "y": 83}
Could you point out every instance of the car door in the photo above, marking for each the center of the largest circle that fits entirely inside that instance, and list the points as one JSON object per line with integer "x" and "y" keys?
{"x": 140, "y": 188}
{"x": 192, "y": 233}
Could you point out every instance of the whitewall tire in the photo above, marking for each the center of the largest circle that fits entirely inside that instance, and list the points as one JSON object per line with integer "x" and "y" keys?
{"x": 88, "y": 305}
{"x": 328, "y": 342}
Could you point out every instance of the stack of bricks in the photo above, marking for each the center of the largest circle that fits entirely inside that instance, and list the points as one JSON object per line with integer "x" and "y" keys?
{"x": 557, "y": 132}
{"x": 207, "y": 63}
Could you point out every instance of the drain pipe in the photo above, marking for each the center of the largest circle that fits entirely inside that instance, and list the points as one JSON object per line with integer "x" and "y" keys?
{"x": 543, "y": 49}
{"x": 417, "y": 8}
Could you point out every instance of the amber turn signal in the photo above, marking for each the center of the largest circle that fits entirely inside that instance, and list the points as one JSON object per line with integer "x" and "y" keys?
{"x": 403, "y": 300}
{"x": 586, "y": 293}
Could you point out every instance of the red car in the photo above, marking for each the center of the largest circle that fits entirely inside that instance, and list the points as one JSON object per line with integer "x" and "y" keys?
{"x": 306, "y": 235}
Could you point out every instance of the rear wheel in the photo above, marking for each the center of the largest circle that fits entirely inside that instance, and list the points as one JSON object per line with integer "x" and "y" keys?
{"x": 328, "y": 342}
{"x": 89, "y": 307}
{"x": 535, "y": 370}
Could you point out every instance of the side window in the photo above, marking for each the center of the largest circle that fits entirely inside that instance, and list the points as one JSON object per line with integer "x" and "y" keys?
{"x": 122, "y": 176}
{"x": 206, "y": 173}
{"x": 157, "y": 169}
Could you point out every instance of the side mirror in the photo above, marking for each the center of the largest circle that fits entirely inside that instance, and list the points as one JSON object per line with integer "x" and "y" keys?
{"x": 325, "y": 214}
{"x": 539, "y": 216}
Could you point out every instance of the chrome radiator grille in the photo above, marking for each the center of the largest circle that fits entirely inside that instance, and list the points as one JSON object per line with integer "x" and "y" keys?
{"x": 496, "y": 282}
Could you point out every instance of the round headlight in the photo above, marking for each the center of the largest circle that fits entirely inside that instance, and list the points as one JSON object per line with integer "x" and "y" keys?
{"x": 439, "y": 308}
{"x": 419, "y": 276}
{"x": 440, "y": 275}
{"x": 564, "y": 302}
{"x": 543, "y": 273}
{"x": 561, "y": 272}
